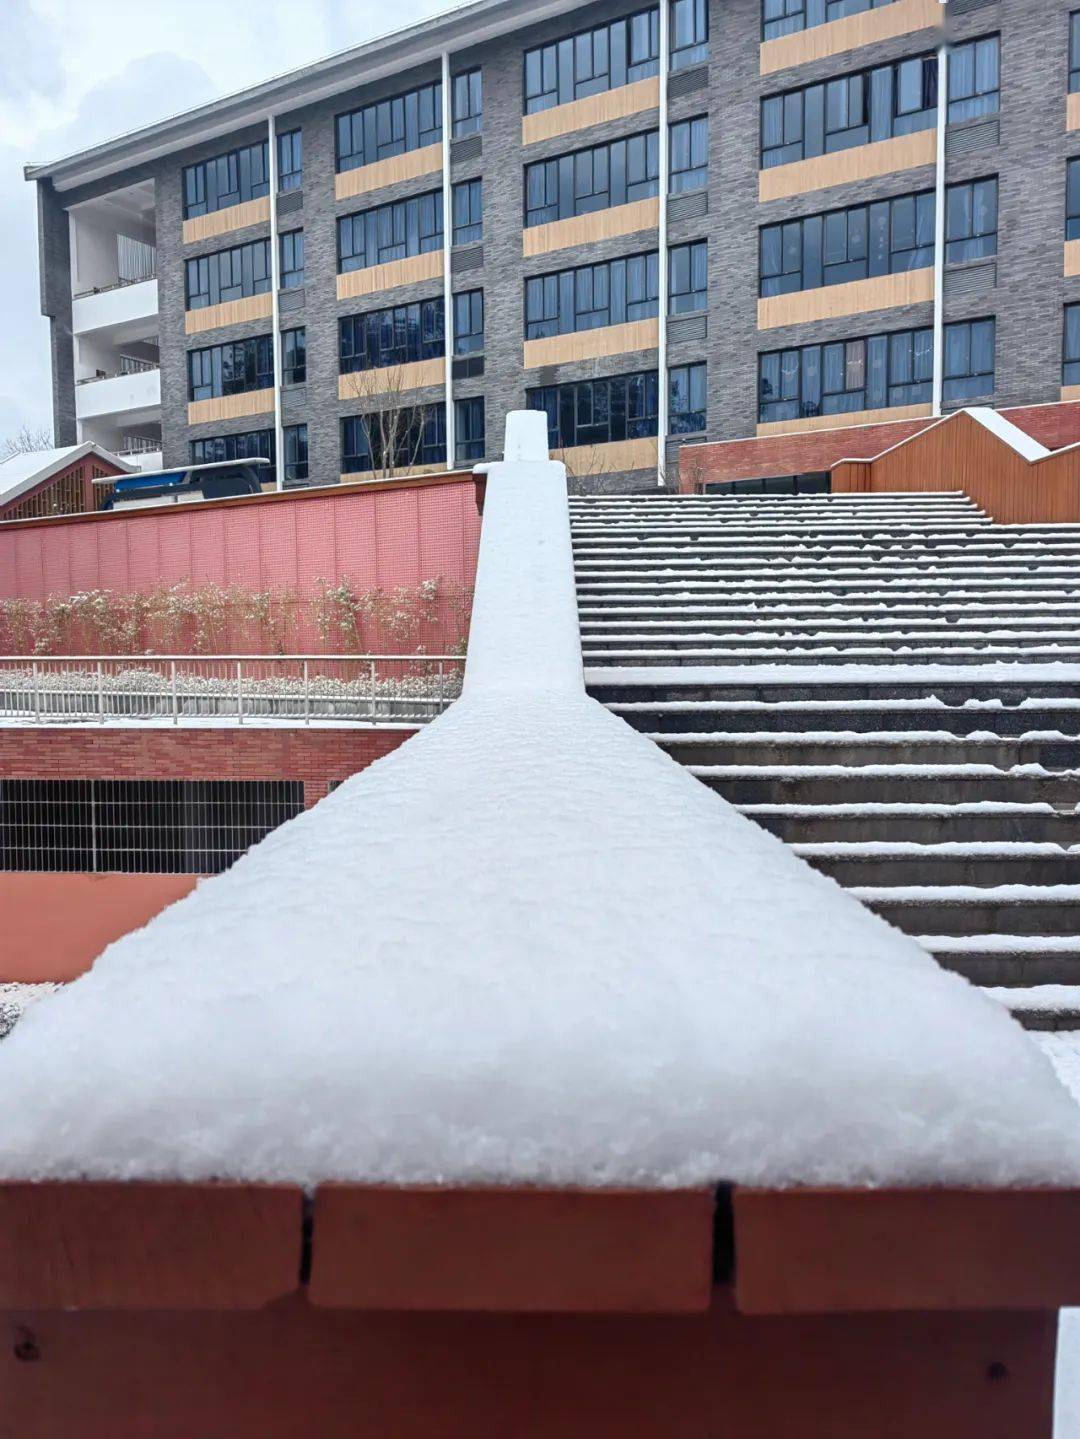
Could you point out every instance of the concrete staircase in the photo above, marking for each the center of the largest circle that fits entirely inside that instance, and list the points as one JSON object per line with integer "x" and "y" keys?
{"x": 890, "y": 683}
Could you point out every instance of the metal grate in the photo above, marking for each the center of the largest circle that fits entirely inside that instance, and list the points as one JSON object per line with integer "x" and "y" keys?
{"x": 971, "y": 281}
{"x": 686, "y": 328}
{"x": 972, "y": 139}
{"x": 690, "y": 206}
{"x": 685, "y": 82}
{"x": 469, "y": 258}
{"x": 138, "y": 826}
{"x": 467, "y": 149}
{"x": 289, "y": 203}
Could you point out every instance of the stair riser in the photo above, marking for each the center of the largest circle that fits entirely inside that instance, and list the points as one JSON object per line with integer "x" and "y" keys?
{"x": 1013, "y": 970}
{"x": 924, "y": 829}
{"x": 1003, "y": 722}
{"x": 941, "y": 917}
{"x": 602, "y": 643}
{"x": 641, "y": 658}
{"x": 896, "y": 789}
{"x": 610, "y": 691}
{"x": 1055, "y": 756}
{"x": 881, "y": 870}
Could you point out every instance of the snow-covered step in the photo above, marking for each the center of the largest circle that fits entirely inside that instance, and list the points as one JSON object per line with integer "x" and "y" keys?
{"x": 979, "y": 864}
{"x": 841, "y": 783}
{"x": 1053, "y": 751}
{"x": 852, "y": 716}
{"x": 1016, "y": 909}
{"x": 1008, "y": 959}
{"x": 828, "y": 655}
{"x": 804, "y": 639}
{"x": 1041, "y": 1006}
{"x": 927, "y": 626}
{"x": 929, "y": 823}
{"x": 856, "y": 547}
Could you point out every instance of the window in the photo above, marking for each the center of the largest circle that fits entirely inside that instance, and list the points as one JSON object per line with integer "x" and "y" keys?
{"x": 971, "y": 220}
{"x": 232, "y": 369}
{"x": 468, "y": 430}
{"x": 969, "y": 361}
{"x": 400, "y": 335}
{"x": 226, "y": 180}
{"x": 688, "y": 278}
{"x": 785, "y": 17}
{"x": 139, "y": 826}
{"x": 592, "y": 61}
{"x": 1070, "y": 369}
{"x": 597, "y": 412}
{"x": 686, "y": 399}
{"x": 294, "y": 356}
{"x": 253, "y": 444}
{"x": 292, "y": 259}
{"x": 847, "y": 377}
{"x": 689, "y": 155}
{"x": 466, "y": 99}
{"x": 593, "y": 179}
{"x": 1074, "y": 52}
{"x": 296, "y": 453}
{"x": 394, "y": 439}
{"x": 1072, "y": 201}
{"x": 228, "y": 275}
{"x": 689, "y": 24}
{"x": 390, "y": 127}
{"x": 467, "y": 203}
{"x": 854, "y": 110}
{"x": 591, "y": 297}
{"x": 858, "y": 243}
{"x": 469, "y": 322}
{"x": 390, "y": 232}
{"x": 974, "y": 78}
{"x": 290, "y": 161}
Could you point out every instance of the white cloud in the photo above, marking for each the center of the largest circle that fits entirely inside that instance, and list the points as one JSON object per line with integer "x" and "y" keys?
{"x": 73, "y": 74}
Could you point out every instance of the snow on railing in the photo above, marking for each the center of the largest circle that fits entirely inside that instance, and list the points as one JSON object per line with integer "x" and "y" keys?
{"x": 298, "y": 689}
{"x": 527, "y": 947}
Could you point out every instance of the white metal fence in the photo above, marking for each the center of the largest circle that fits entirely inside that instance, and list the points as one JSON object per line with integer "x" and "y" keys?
{"x": 295, "y": 689}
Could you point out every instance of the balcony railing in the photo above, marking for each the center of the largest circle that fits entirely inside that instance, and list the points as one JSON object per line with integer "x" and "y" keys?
{"x": 128, "y": 365}
{"x": 120, "y": 284}
{"x": 289, "y": 689}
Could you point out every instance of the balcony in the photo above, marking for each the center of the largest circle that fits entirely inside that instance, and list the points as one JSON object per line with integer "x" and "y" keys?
{"x": 133, "y": 392}
{"x": 127, "y": 308}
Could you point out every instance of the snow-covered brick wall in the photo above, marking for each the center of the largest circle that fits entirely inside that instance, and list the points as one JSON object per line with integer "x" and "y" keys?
{"x": 527, "y": 947}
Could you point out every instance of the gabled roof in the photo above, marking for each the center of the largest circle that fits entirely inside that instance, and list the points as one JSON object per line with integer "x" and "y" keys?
{"x": 22, "y": 472}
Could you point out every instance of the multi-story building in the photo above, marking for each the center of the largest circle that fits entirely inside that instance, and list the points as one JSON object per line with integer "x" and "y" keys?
{"x": 707, "y": 219}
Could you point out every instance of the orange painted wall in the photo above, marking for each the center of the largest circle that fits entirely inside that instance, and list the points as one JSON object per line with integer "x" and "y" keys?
{"x": 55, "y": 925}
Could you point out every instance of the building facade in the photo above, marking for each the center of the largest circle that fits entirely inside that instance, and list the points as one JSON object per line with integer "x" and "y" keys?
{"x": 708, "y": 220}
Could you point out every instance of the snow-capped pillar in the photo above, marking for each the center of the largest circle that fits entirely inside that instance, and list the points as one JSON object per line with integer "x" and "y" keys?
{"x": 524, "y": 633}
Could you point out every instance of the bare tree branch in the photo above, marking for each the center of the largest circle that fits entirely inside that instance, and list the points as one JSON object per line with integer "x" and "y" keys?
{"x": 27, "y": 440}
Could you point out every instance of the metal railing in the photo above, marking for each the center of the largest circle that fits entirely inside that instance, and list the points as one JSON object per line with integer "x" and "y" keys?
{"x": 127, "y": 365}
{"x": 292, "y": 689}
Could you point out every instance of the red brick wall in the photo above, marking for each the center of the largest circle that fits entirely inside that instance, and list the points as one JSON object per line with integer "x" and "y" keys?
{"x": 315, "y": 756}
{"x": 1052, "y": 425}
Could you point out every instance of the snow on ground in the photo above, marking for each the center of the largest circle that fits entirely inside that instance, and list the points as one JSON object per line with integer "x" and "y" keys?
{"x": 527, "y": 946}
{"x": 15, "y": 998}
{"x": 1064, "y": 1053}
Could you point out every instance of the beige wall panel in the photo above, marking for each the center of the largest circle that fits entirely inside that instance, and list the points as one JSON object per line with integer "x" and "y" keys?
{"x": 408, "y": 472}
{"x": 1072, "y": 257}
{"x": 584, "y": 229}
{"x": 1070, "y": 392}
{"x": 235, "y": 217}
{"x": 232, "y": 312}
{"x": 393, "y": 379}
{"x": 857, "y": 297}
{"x": 1072, "y": 113}
{"x": 593, "y": 344}
{"x": 592, "y": 110}
{"x": 385, "y": 277}
{"x": 818, "y": 43}
{"x": 884, "y": 157}
{"x": 230, "y": 407}
{"x": 585, "y": 460}
{"x": 836, "y": 422}
{"x": 388, "y": 172}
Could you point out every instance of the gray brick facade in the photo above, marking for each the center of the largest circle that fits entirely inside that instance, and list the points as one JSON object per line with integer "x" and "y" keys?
{"x": 1026, "y": 145}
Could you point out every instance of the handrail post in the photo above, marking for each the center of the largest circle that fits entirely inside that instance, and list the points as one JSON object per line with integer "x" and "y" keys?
{"x": 373, "y": 683}
{"x": 101, "y": 692}
{"x": 239, "y": 692}
{"x": 307, "y": 694}
{"x": 37, "y": 690}
{"x": 175, "y": 696}
{"x": 442, "y": 687}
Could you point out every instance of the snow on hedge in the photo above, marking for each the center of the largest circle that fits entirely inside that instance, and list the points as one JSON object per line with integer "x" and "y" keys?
{"x": 527, "y": 946}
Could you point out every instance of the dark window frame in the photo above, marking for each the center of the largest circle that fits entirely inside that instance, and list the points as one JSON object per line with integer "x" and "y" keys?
{"x": 974, "y": 102}
{"x": 565, "y": 302}
{"x": 249, "y": 445}
{"x": 691, "y": 417}
{"x": 585, "y": 413}
{"x": 469, "y": 438}
{"x": 296, "y": 453}
{"x": 1074, "y": 52}
{"x": 596, "y": 177}
{"x": 467, "y": 102}
{"x": 425, "y": 445}
{"x": 880, "y": 371}
{"x": 467, "y": 212}
{"x": 694, "y": 175}
{"x": 291, "y": 259}
{"x": 684, "y": 299}
{"x": 603, "y": 53}
{"x": 209, "y": 270}
{"x": 1070, "y": 352}
{"x": 395, "y": 335}
{"x": 290, "y": 175}
{"x": 413, "y": 226}
{"x": 691, "y": 18}
{"x": 394, "y": 125}
{"x": 222, "y": 181}
{"x": 963, "y": 385}
{"x": 789, "y": 17}
{"x": 294, "y": 355}
{"x": 968, "y": 234}
{"x": 854, "y": 242}
{"x": 468, "y": 322}
{"x": 233, "y": 367}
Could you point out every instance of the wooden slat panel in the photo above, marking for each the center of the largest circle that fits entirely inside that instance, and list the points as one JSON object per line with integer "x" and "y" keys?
{"x": 233, "y": 217}
{"x": 1072, "y": 257}
{"x": 820, "y": 41}
{"x": 611, "y": 459}
{"x": 864, "y": 162}
{"x": 392, "y": 379}
{"x": 857, "y": 297}
{"x": 826, "y": 1251}
{"x": 1072, "y": 112}
{"x": 148, "y": 1246}
{"x": 426, "y": 161}
{"x": 513, "y": 1250}
{"x": 230, "y": 407}
{"x": 231, "y": 312}
{"x": 376, "y": 278}
{"x": 593, "y": 344}
{"x": 837, "y": 422}
{"x": 592, "y": 110}
{"x": 585, "y": 229}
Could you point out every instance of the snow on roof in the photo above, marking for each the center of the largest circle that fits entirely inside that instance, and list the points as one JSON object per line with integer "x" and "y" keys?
{"x": 22, "y": 472}
{"x": 527, "y": 947}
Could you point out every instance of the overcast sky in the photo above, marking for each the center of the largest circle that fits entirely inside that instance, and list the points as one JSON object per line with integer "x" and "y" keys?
{"x": 73, "y": 73}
